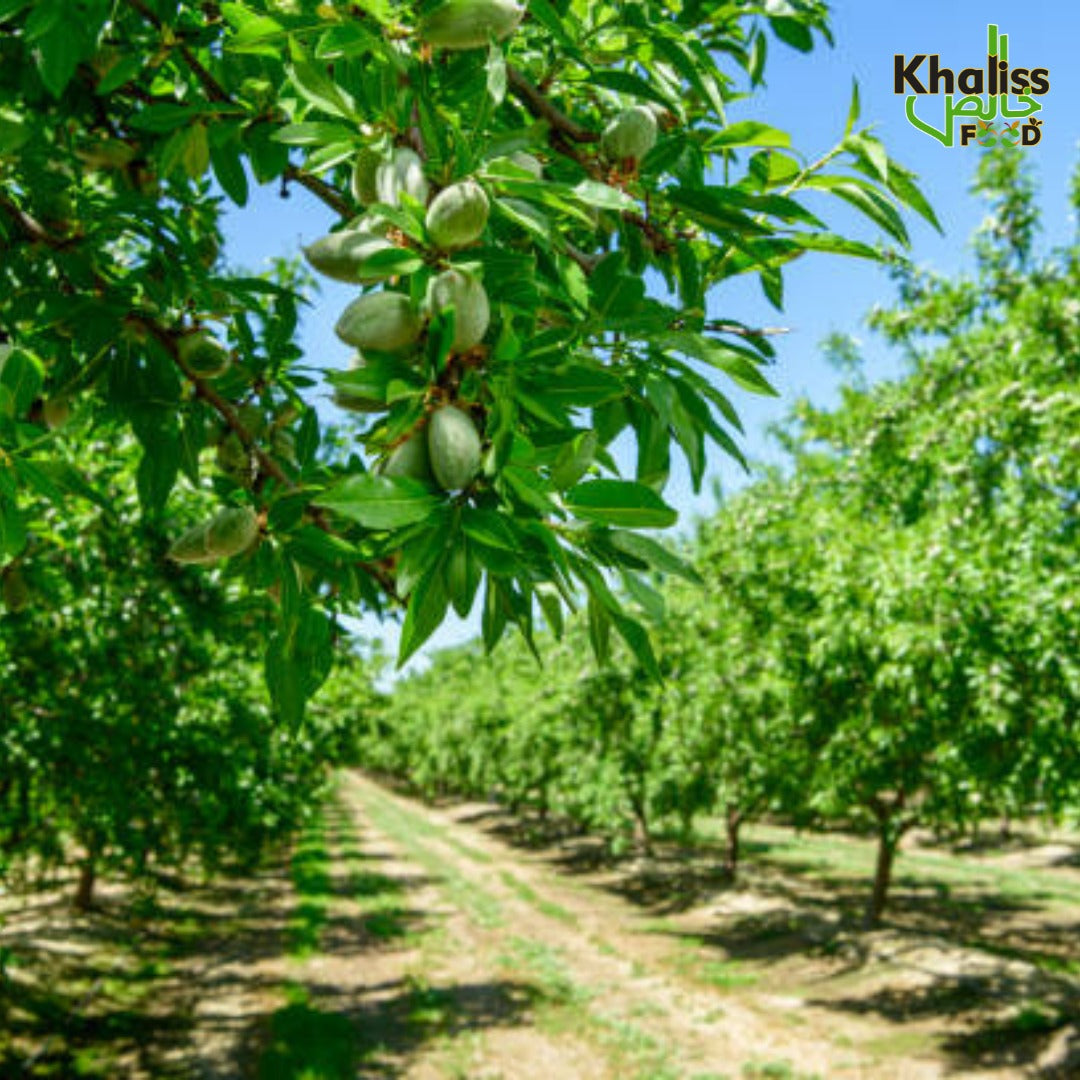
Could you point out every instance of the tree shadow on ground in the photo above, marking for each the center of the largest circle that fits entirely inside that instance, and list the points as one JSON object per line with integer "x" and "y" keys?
{"x": 114, "y": 992}
{"x": 378, "y": 1033}
{"x": 997, "y": 1020}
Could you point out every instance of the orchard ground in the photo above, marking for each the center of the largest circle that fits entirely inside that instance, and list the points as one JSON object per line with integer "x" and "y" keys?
{"x": 398, "y": 939}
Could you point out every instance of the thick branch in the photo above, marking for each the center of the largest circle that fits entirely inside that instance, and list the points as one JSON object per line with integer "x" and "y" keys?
{"x": 32, "y": 229}
{"x": 543, "y": 109}
{"x": 321, "y": 190}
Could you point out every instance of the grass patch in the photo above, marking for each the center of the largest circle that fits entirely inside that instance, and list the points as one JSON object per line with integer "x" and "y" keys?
{"x": 530, "y": 896}
{"x": 310, "y": 869}
{"x": 775, "y": 1070}
{"x": 306, "y": 1043}
{"x": 403, "y": 826}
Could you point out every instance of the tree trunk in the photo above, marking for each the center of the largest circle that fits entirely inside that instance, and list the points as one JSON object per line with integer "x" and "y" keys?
{"x": 84, "y": 893}
{"x": 733, "y": 821}
{"x": 888, "y": 839}
{"x": 642, "y": 838}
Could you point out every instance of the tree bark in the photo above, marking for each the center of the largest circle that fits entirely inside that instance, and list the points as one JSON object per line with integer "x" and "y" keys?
{"x": 642, "y": 837}
{"x": 84, "y": 892}
{"x": 888, "y": 839}
{"x": 733, "y": 821}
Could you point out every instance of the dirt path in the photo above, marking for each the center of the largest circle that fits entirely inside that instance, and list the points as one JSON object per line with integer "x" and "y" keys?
{"x": 564, "y": 979}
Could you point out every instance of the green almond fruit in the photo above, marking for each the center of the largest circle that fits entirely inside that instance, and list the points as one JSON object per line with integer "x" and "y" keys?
{"x": 362, "y": 183}
{"x": 472, "y": 312}
{"x": 384, "y": 321}
{"x": 343, "y": 255}
{"x": 458, "y": 215}
{"x": 203, "y": 354}
{"x": 403, "y": 172}
{"x": 630, "y": 136}
{"x": 233, "y": 460}
{"x": 229, "y": 532}
{"x": 470, "y": 24}
{"x": 411, "y": 459}
{"x": 454, "y": 447}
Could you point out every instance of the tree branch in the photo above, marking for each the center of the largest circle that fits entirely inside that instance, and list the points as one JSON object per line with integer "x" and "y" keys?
{"x": 321, "y": 189}
{"x": 166, "y": 338}
{"x": 543, "y": 109}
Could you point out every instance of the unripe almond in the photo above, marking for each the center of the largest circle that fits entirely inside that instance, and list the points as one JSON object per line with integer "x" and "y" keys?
{"x": 470, "y": 24}
{"x": 362, "y": 183}
{"x": 203, "y": 354}
{"x": 472, "y": 312}
{"x": 458, "y": 215}
{"x": 229, "y": 532}
{"x": 631, "y": 135}
{"x": 403, "y": 172}
{"x": 384, "y": 321}
{"x": 454, "y": 446}
{"x": 410, "y": 459}
{"x": 342, "y": 256}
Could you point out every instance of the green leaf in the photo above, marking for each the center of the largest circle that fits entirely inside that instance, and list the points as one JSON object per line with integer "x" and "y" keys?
{"x": 380, "y": 502}
{"x": 749, "y": 133}
{"x": 625, "y": 82}
{"x": 854, "y": 109}
{"x": 22, "y": 376}
{"x": 427, "y": 609}
{"x": 12, "y": 530}
{"x": 793, "y": 32}
{"x": 317, "y": 87}
{"x": 719, "y": 354}
{"x": 254, "y": 34}
{"x": 228, "y": 166}
{"x": 654, "y": 554}
{"x": 620, "y": 502}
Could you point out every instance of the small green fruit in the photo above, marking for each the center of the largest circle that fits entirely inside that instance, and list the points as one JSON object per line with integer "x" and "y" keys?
{"x": 56, "y": 412}
{"x": 464, "y": 293}
{"x": 233, "y": 460}
{"x": 470, "y": 24}
{"x": 203, "y": 354}
{"x": 630, "y": 136}
{"x": 384, "y": 321}
{"x": 229, "y": 532}
{"x": 365, "y": 167}
{"x": 454, "y": 447}
{"x": 342, "y": 256}
{"x": 410, "y": 459}
{"x": 403, "y": 172}
{"x": 458, "y": 215}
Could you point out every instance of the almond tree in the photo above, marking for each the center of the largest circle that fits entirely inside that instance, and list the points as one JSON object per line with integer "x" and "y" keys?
{"x": 538, "y": 204}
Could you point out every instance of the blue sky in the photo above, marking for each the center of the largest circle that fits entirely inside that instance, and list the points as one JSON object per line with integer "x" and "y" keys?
{"x": 807, "y": 95}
